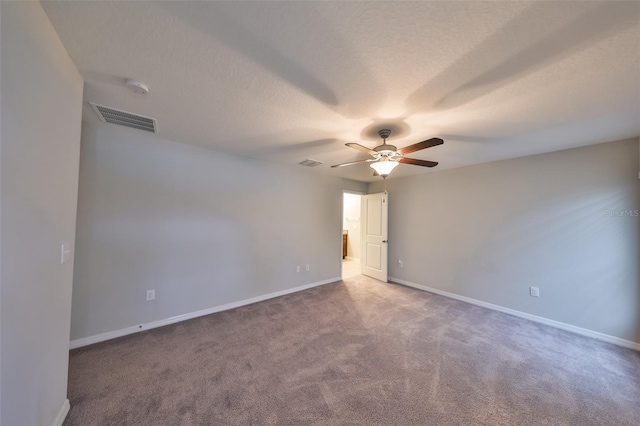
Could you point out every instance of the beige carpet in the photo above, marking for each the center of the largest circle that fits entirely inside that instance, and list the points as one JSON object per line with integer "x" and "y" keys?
{"x": 356, "y": 352}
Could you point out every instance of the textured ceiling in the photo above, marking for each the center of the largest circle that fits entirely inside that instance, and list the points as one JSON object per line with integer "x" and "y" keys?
{"x": 288, "y": 81}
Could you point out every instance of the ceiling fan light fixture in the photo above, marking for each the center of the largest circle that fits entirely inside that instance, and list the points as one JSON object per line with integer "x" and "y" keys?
{"x": 384, "y": 166}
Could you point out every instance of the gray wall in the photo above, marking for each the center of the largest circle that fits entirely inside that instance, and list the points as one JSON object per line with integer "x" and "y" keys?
{"x": 200, "y": 227}
{"x": 41, "y": 116}
{"x": 490, "y": 231}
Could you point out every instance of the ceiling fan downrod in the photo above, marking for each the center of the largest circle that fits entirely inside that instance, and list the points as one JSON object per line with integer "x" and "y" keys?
{"x": 384, "y": 134}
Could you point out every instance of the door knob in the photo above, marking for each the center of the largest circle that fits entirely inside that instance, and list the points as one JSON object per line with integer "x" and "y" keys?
{"x": 385, "y": 241}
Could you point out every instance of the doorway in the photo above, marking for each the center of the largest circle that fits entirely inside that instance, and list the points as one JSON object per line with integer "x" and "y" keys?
{"x": 351, "y": 235}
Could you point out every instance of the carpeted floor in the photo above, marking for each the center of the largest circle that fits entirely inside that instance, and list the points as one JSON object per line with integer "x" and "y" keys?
{"x": 356, "y": 352}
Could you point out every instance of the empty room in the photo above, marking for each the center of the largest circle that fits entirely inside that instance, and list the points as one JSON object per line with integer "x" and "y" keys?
{"x": 319, "y": 213}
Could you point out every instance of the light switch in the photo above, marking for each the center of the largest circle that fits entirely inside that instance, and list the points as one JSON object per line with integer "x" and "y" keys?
{"x": 65, "y": 253}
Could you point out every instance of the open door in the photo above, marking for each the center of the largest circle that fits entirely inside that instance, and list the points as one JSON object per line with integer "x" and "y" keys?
{"x": 374, "y": 235}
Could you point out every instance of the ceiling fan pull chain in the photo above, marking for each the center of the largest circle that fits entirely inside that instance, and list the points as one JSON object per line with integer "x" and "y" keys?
{"x": 384, "y": 185}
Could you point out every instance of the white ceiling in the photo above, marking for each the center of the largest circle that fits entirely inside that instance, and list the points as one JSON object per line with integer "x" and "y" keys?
{"x": 284, "y": 81}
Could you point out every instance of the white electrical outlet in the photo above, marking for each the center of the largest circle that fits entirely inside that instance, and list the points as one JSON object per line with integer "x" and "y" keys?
{"x": 308, "y": 267}
{"x": 151, "y": 295}
{"x": 298, "y": 268}
{"x": 534, "y": 291}
{"x": 400, "y": 264}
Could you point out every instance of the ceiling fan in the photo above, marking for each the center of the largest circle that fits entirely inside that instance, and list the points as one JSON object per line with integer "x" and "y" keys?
{"x": 387, "y": 157}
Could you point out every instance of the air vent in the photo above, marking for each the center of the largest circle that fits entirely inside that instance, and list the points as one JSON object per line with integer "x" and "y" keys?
{"x": 310, "y": 163}
{"x": 123, "y": 118}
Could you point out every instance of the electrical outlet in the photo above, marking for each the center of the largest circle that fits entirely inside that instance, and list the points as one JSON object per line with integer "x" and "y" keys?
{"x": 534, "y": 291}
{"x": 400, "y": 264}
{"x": 308, "y": 267}
{"x": 298, "y": 268}
{"x": 151, "y": 295}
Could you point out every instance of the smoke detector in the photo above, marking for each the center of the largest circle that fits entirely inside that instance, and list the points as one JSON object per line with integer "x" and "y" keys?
{"x": 137, "y": 86}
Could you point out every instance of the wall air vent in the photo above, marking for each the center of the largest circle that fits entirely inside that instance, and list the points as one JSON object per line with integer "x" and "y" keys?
{"x": 123, "y": 118}
{"x": 310, "y": 163}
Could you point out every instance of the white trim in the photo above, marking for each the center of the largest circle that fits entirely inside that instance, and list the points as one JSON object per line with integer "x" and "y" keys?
{"x": 557, "y": 324}
{"x": 141, "y": 327}
{"x": 357, "y": 259}
{"x": 62, "y": 414}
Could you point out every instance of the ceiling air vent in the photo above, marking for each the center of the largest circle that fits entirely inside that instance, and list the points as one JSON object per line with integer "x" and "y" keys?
{"x": 123, "y": 118}
{"x": 310, "y": 163}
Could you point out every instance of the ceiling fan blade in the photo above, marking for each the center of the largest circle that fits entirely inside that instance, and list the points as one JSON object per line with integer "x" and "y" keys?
{"x": 415, "y": 162}
{"x": 368, "y": 160}
{"x": 375, "y": 173}
{"x": 361, "y": 148}
{"x": 420, "y": 145}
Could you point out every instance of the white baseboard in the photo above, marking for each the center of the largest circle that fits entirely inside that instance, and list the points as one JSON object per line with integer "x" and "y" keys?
{"x": 62, "y": 414}
{"x": 141, "y": 327}
{"x": 557, "y": 324}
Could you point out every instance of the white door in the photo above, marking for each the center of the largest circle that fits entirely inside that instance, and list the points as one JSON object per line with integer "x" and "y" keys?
{"x": 374, "y": 235}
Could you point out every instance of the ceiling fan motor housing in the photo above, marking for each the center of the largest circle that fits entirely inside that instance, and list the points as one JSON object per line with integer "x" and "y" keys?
{"x": 386, "y": 151}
